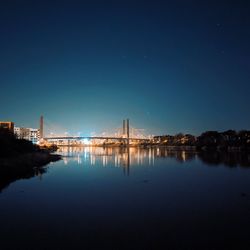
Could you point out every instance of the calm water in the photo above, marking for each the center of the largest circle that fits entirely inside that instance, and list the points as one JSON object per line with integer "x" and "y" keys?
{"x": 110, "y": 198}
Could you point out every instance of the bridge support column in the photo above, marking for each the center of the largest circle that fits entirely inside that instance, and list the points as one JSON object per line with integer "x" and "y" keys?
{"x": 124, "y": 128}
{"x": 128, "y": 132}
{"x": 41, "y": 127}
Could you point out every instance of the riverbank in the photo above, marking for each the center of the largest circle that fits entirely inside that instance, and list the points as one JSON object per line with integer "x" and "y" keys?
{"x": 20, "y": 158}
{"x": 28, "y": 160}
{"x": 24, "y": 166}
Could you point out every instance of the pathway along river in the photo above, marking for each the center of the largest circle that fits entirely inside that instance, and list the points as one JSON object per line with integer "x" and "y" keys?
{"x": 96, "y": 198}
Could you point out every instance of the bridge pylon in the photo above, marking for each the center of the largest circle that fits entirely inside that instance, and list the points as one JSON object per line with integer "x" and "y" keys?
{"x": 41, "y": 127}
{"x": 128, "y": 131}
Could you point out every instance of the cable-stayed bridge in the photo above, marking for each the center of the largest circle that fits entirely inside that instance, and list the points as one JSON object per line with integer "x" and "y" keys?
{"x": 53, "y": 133}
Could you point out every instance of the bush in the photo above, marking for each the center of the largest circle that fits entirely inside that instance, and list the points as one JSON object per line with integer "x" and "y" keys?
{"x": 11, "y": 146}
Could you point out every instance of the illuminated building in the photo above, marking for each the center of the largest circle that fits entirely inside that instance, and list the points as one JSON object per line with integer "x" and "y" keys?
{"x": 30, "y": 134}
{"x": 7, "y": 125}
{"x": 34, "y": 135}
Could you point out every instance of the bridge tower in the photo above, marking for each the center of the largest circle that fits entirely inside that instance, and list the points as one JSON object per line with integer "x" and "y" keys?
{"x": 41, "y": 127}
{"x": 128, "y": 131}
{"x": 124, "y": 128}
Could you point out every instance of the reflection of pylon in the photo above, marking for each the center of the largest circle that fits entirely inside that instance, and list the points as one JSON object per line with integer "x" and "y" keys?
{"x": 39, "y": 174}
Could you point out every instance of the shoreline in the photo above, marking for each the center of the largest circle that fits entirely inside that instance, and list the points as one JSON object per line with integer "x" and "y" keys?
{"x": 28, "y": 160}
{"x": 24, "y": 166}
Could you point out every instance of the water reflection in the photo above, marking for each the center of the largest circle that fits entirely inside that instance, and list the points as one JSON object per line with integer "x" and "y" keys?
{"x": 85, "y": 202}
{"x": 135, "y": 156}
{"x": 7, "y": 177}
{"x": 229, "y": 159}
{"x": 116, "y": 156}
{"x": 126, "y": 158}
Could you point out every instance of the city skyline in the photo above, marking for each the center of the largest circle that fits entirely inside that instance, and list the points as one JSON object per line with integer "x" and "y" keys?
{"x": 87, "y": 66}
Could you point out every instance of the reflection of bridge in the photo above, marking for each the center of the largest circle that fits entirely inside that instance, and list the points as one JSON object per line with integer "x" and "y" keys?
{"x": 125, "y": 135}
{"x": 122, "y": 157}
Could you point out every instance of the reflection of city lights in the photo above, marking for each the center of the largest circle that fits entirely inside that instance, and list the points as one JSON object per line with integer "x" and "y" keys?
{"x": 79, "y": 160}
{"x": 92, "y": 159}
{"x": 104, "y": 160}
{"x": 149, "y": 156}
{"x": 65, "y": 161}
{"x": 120, "y": 156}
{"x": 183, "y": 155}
{"x": 85, "y": 154}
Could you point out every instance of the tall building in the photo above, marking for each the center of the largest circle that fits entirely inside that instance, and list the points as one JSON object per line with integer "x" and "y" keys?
{"x": 7, "y": 125}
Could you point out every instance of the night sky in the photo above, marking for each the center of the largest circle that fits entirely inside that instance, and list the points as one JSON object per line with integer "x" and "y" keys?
{"x": 169, "y": 66}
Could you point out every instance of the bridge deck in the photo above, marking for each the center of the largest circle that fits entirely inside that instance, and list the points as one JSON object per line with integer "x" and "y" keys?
{"x": 91, "y": 138}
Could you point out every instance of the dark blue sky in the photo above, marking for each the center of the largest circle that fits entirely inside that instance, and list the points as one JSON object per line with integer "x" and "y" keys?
{"x": 170, "y": 66}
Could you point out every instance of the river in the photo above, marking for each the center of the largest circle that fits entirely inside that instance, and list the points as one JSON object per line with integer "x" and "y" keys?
{"x": 115, "y": 198}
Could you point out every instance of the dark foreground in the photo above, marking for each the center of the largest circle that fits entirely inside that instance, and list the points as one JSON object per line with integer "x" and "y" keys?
{"x": 21, "y": 159}
{"x": 115, "y": 198}
{"x": 24, "y": 166}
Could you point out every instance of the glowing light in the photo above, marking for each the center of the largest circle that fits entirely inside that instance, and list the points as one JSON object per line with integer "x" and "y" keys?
{"x": 86, "y": 141}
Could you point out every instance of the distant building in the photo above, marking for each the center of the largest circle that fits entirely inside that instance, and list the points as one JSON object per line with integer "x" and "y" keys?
{"x": 21, "y": 133}
{"x": 17, "y": 131}
{"x": 30, "y": 134}
{"x": 7, "y": 125}
{"x": 34, "y": 135}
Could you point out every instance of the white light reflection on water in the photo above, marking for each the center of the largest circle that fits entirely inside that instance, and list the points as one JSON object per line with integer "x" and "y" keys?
{"x": 113, "y": 155}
